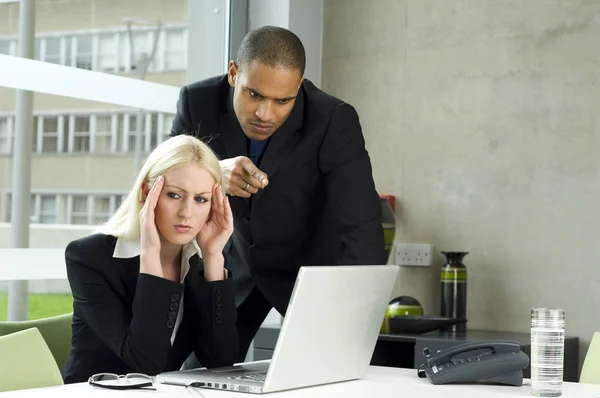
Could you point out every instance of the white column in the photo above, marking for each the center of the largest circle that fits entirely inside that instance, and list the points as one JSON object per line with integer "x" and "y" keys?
{"x": 306, "y": 20}
{"x": 303, "y": 17}
{"x": 207, "y": 41}
{"x": 17, "y": 291}
{"x": 238, "y": 26}
{"x": 269, "y": 12}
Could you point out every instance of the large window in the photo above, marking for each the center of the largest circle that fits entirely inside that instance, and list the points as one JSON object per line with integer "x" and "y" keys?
{"x": 89, "y": 132}
{"x": 109, "y": 50}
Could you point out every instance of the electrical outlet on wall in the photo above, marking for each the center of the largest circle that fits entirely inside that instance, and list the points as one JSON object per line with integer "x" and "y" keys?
{"x": 414, "y": 254}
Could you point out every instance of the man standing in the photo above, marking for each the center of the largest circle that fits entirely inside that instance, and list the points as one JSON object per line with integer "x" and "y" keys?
{"x": 296, "y": 169}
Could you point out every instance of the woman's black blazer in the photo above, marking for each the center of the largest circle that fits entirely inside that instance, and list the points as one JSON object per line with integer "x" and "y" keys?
{"x": 123, "y": 320}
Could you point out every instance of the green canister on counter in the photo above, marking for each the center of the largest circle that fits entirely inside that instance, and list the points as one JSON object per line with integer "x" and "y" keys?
{"x": 454, "y": 289}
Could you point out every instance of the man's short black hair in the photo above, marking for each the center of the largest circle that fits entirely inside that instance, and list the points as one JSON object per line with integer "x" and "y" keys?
{"x": 272, "y": 46}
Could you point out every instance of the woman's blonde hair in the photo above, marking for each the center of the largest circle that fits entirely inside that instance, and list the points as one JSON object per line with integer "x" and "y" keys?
{"x": 175, "y": 151}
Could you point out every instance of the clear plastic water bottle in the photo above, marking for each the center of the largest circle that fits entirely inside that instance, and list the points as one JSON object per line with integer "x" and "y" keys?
{"x": 547, "y": 351}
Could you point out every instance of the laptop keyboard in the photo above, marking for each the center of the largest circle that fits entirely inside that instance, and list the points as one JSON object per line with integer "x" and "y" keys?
{"x": 256, "y": 377}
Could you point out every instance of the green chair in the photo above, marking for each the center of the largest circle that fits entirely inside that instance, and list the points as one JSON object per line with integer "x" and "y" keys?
{"x": 56, "y": 331}
{"x": 590, "y": 372}
{"x": 26, "y": 362}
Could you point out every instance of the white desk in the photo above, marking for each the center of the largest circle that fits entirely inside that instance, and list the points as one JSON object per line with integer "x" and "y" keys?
{"x": 381, "y": 382}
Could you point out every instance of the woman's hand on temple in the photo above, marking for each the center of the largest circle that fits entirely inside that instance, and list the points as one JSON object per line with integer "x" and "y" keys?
{"x": 150, "y": 239}
{"x": 215, "y": 233}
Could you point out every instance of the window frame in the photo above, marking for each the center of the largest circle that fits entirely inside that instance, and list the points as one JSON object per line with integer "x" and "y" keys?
{"x": 63, "y": 206}
{"x": 8, "y": 134}
{"x": 155, "y": 130}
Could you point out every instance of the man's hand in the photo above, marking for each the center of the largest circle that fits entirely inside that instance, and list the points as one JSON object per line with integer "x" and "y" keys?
{"x": 241, "y": 177}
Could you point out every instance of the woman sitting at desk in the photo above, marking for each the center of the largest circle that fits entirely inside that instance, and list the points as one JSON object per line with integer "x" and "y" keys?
{"x": 151, "y": 286}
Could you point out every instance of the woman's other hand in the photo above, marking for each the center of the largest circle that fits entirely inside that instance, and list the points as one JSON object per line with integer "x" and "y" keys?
{"x": 215, "y": 233}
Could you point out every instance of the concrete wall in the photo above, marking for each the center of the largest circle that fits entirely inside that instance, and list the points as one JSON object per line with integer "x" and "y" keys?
{"x": 482, "y": 117}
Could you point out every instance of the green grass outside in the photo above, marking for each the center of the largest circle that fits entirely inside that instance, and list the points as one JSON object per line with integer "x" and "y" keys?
{"x": 41, "y": 305}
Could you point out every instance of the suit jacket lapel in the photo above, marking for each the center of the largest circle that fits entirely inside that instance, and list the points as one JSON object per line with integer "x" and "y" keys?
{"x": 282, "y": 142}
{"x": 235, "y": 144}
{"x": 231, "y": 132}
{"x": 128, "y": 268}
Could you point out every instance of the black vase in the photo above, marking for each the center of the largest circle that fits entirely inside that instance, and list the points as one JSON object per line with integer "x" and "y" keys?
{"x": 454, "y": 289}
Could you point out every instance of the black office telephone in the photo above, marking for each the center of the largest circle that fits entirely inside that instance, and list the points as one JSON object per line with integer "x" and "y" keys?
{"x": 497, "y": 362}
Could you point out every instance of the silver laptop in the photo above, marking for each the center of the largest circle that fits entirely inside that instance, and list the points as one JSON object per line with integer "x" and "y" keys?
{"x": 328, "y": 334}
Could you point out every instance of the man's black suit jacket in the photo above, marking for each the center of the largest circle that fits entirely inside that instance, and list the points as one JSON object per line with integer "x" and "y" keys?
{"x": 320, "y": 207}
{"x": 123, "y": 320}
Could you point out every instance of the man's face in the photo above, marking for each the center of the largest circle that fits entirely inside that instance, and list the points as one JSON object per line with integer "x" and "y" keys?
{"x": 263, "y": 97}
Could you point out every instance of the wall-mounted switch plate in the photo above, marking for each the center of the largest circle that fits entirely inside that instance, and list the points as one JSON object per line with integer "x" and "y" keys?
{"x": 414, "y": 254}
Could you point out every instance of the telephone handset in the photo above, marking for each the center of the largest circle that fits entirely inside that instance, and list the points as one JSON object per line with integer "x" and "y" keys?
{"x": 499, "y": 362}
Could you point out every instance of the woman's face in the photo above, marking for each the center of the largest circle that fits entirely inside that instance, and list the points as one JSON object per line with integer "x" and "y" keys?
{"x": 184, "y": 203}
